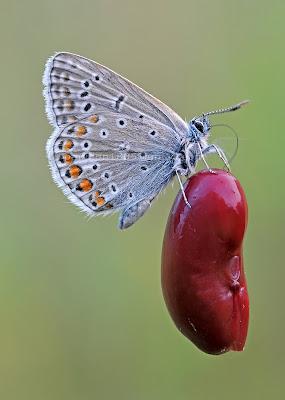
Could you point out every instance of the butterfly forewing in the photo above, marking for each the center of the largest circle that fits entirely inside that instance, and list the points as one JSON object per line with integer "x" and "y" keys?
{"x": 75, "y": 84}
{"x": 114, "y": 144}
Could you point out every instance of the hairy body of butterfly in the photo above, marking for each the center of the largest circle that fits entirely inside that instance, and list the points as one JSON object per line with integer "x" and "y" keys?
{"x": 114, "y": 147}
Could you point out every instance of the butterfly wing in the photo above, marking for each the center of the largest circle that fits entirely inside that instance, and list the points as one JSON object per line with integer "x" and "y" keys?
{"x": 114, "y": 145}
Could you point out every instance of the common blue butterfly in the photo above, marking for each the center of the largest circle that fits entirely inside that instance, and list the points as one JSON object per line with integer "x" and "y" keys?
{"x": 114, "y": 146}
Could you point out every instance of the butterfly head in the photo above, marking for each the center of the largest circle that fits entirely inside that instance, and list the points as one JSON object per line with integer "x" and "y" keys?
{"x": 196, "y": 145}
{"x": 199, "y": 128}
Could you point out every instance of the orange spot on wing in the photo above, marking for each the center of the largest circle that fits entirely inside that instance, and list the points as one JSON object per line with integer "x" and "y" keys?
{"x": 81, "y": 130}
{"x": 68, "y": 144}
{"x": 94, "y": 119}
{"x": 100, "y": 201}
{"x": 85, "y": 185}
{"x": 68, "y": 158}
{"x": 75, "y": 171}
{"x": 109, "y": 205}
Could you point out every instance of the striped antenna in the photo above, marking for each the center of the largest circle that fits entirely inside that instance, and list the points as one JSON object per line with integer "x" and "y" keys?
{"x": 228, "y": 109}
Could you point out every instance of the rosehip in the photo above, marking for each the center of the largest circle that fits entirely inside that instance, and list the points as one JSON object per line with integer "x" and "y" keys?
{"x": 203, "y": 279}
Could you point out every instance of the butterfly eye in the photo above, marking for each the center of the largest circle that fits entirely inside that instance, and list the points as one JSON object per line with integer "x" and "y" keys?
{"x": 199, "y": 126}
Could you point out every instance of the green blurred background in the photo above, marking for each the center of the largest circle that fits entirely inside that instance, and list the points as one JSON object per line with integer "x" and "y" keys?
{"x": 82, "y": 314}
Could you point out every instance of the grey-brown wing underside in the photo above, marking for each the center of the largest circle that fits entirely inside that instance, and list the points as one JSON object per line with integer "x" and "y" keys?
{"x": 114, "y": 145}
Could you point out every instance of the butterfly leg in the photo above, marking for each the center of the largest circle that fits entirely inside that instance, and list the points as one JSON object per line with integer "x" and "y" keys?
{"x": 202, "y": 156}
{"x": 131, "y": 214}
{"x": 182, "y": 190}
{"x": 213, "y": 148}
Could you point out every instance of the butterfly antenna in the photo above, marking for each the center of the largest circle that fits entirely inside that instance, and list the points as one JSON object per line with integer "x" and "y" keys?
{"x": 228, "y": 109}
{"x": 182, "y": 190}
{"x": 236, "y": 137}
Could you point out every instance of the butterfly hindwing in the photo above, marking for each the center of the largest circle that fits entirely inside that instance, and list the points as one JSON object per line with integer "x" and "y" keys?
{"x": 102, "y": 167}
{"x": 114, "y": 145}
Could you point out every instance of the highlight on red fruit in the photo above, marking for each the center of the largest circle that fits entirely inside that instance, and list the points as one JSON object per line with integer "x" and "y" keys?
{"x": 203, "y": 278}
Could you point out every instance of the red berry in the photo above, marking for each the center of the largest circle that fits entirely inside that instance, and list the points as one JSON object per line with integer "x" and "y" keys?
{"x": 203, "y": 279}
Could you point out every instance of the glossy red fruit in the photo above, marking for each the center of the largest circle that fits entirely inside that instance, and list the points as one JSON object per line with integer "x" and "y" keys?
{"x": 203, "y": 278}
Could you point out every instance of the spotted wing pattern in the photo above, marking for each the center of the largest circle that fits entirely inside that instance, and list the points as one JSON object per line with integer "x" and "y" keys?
{"x": 114, "y": 145}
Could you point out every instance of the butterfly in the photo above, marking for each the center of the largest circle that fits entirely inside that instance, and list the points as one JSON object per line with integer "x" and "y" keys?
{"x": 114, "y": 146}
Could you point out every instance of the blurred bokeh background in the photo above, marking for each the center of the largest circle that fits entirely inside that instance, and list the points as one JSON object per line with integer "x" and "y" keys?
{"x": 82, "y": 314}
